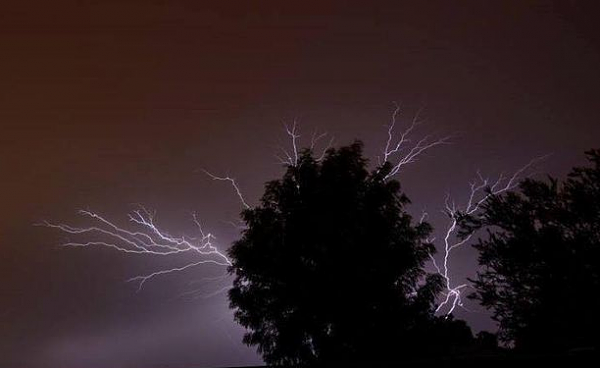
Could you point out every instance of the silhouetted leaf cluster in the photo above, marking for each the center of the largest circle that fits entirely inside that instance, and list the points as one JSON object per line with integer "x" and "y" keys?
{"x": 540, "y": 261}
{"x": 330, "y": 268}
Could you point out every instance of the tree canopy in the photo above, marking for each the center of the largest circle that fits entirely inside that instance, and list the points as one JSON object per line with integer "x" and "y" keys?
{"x": 540, "y": 260}
{"x": 330, "y": 266}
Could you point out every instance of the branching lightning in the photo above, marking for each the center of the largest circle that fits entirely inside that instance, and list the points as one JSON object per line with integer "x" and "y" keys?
{"x": 291, "y": 157}
{"x": 401, "y": 150}
{"x": 480, "y": 190}
{"x": 148, "y": 239}
{"x": 233, "y": 184}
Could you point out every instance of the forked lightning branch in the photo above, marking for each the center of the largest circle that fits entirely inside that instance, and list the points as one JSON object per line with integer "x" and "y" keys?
{"x": 145, "y": 237}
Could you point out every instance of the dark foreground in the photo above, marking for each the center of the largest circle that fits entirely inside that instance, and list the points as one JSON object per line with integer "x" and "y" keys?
{"x": 574, "y": 359}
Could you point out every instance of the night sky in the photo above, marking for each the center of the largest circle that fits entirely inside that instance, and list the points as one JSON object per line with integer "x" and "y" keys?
{"x": 107, "y": 104}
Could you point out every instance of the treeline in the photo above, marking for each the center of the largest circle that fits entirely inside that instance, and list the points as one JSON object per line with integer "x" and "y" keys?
{"x": 331, "y": 268}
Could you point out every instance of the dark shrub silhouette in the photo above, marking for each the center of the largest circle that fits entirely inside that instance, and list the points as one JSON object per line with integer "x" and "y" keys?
{"x": 330, "y": 267}
{"x": 540, "y": 261}
{"x": 487, "y": 341}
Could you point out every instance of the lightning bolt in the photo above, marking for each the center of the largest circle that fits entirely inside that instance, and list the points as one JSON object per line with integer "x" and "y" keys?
{"x": 292, "y": 155}
{"x": 149, "y": 239}
{"x": 233, "y": 183}
{"x": 401, "y": 150}
{"x": 481, "y": 190}
{"x": 291, "y": 158}
{"x": 146, "y": 239}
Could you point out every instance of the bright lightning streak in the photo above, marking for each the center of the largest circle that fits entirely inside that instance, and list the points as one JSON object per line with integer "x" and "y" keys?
{"x": 143, "y": 278}
{"x": 313, "y": 142}
{"x": 148, "y": 239}
{"x": 400, "y": 149}
{"x": 233, "y": 184}
{"x": 480, "y": 191}
{"x": 151, "y": 240}
{"x": 291, "y": 158}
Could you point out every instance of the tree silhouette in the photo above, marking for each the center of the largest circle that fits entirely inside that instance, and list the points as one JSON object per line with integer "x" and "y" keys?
{"x": 540, "y": 261}
{"x": 330, "y": 267}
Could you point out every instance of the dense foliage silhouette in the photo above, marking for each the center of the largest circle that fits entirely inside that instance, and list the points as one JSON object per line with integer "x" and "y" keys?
{"x": 540, "y": 261}
{"x": 330, "y": 268}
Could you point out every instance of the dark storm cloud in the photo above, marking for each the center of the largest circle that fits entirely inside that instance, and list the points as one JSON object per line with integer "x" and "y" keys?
{"x": 106, "y": 104}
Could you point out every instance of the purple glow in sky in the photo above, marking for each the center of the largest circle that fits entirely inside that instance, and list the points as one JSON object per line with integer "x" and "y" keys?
{"x": 105, "y": 105}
